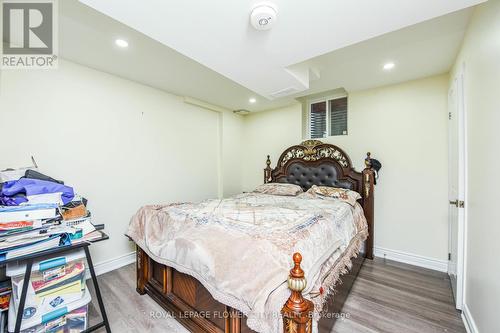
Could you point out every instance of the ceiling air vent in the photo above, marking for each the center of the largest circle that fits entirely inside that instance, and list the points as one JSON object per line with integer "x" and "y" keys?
{"x": 241, "y": 111}
{"x": 284, "y": 92}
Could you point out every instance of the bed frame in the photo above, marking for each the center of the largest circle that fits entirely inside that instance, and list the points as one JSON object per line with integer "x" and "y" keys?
{"x": 309, "y": 163}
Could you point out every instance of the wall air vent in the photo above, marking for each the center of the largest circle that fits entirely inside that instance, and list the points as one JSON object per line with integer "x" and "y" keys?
{"x": 284, "y": 92}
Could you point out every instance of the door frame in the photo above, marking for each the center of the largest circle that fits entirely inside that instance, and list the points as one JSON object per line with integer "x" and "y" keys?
{"x": 458, "y": 83}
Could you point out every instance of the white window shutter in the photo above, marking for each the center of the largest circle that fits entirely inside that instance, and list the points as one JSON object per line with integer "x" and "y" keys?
{"x": 318, "y": 120}
{"x": 338, "y": 116}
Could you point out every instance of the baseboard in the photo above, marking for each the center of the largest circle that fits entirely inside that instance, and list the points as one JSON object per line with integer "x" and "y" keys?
{"x": 412, "y": 259}
{"x": 112, "y": 264}
{"x": 407, "y": 258}
{"x": 470, "y": 324}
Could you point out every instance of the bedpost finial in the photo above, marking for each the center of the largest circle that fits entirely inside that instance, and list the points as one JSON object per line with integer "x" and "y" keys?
{"x": 296, "y": 280}
{"x": 297, "y": 311}
{"x": 268, "y": 170}
{"x": 297, "y": 271}
{"x": 368, "y": 159}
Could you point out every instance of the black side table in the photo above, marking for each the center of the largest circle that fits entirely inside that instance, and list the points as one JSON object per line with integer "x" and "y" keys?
{"x": 60, "y": 250}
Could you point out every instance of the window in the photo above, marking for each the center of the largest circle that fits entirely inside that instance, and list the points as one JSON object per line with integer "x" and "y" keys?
{"x": 318, "y": 120}
{"x": 328, "y": 116}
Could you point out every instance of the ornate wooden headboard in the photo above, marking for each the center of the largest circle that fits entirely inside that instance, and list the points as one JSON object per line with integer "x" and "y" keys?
{"x": 316, "y": 163}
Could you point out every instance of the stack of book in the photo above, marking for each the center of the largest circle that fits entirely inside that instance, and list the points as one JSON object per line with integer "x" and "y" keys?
{"x": 36, "y": 221}
{"x": 32, "y": 228}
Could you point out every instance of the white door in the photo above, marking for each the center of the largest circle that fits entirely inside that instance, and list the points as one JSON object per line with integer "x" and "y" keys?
{"x": 456, "y": 187}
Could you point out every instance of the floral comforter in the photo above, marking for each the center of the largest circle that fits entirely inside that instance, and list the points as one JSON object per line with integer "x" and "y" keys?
{"x": 240, "y": 248}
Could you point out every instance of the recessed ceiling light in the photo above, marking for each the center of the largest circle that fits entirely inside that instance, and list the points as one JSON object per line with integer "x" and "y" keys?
{"x": 388, "y": 66}
{"x": 252, "y": 100}
{"x": 121, "y": 43}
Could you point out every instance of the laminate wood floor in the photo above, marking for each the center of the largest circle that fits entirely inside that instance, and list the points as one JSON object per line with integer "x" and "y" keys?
{"x": 386, "y": 297}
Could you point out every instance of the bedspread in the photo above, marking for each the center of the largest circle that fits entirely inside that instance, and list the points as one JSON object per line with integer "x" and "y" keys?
{"x": 240, "y": 248}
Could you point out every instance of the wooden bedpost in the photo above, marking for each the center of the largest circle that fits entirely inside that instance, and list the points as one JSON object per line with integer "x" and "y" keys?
{"x": 297, "y": 311}
{"x": 368, "y": 203}
{"x": 232, "y": 321}
{"x": 142, "y": 267}
{"x": 267, "y": 171}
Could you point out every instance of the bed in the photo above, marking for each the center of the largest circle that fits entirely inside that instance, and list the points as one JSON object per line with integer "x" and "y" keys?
{"x": 220, "y": 266}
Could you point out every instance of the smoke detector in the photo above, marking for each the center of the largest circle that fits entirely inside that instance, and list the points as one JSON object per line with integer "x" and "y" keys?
{"x": 263, "y": 16}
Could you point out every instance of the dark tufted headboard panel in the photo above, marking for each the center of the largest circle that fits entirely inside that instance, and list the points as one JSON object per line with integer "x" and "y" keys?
{"x": 315, "y": 163}
{"x": 323, "y": 174}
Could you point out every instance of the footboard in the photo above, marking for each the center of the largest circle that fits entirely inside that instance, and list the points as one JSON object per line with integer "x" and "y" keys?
{"x": 191, "y": 304}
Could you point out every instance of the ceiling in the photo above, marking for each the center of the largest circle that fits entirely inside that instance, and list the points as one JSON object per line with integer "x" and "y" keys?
{"x": 208, "y": 50}
{"x": 417, "y": 51}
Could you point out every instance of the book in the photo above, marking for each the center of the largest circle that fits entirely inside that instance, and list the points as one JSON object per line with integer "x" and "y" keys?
{"x": 5, "y": 286}
{"x": 69, "y": 287}
{"x": 4, "y": 300}
{"x": 46, "y": 244}
{"x": 5, "y": 293}
{"x": 45, "y": 198}
{"x": 8, "y": 244}
{"x": 23, "y": 207}
{"x": 16, "y": 241}
{"x": 39, "y": 226}
{"x": 27, "y": 213}
{"x": 8, "y": 228}
{"x": 63, "y": 277}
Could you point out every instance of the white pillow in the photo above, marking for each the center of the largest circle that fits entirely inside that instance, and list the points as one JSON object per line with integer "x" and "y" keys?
{"x": 342, "y": 194}
{"x": 279, "y": 189}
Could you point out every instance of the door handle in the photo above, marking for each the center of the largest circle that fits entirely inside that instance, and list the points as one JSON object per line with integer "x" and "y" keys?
{"x": 458, "y": 203}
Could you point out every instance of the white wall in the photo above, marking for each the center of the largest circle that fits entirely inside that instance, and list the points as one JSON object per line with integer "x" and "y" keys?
{"x": 268, "y": 133}
{"x": 405, "y": 127}
{"x": 481, "y": 55}
{"x": 120, "y": 144}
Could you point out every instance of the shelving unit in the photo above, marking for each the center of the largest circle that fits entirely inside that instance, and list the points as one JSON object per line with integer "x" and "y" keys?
{"x": 29, "y": 259}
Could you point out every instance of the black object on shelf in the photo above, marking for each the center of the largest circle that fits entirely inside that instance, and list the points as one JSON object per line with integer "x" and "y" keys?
{"x": 30, "y": 258}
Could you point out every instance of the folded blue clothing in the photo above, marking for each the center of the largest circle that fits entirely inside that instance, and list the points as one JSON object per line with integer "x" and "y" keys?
{"x": 28, "y": 187}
